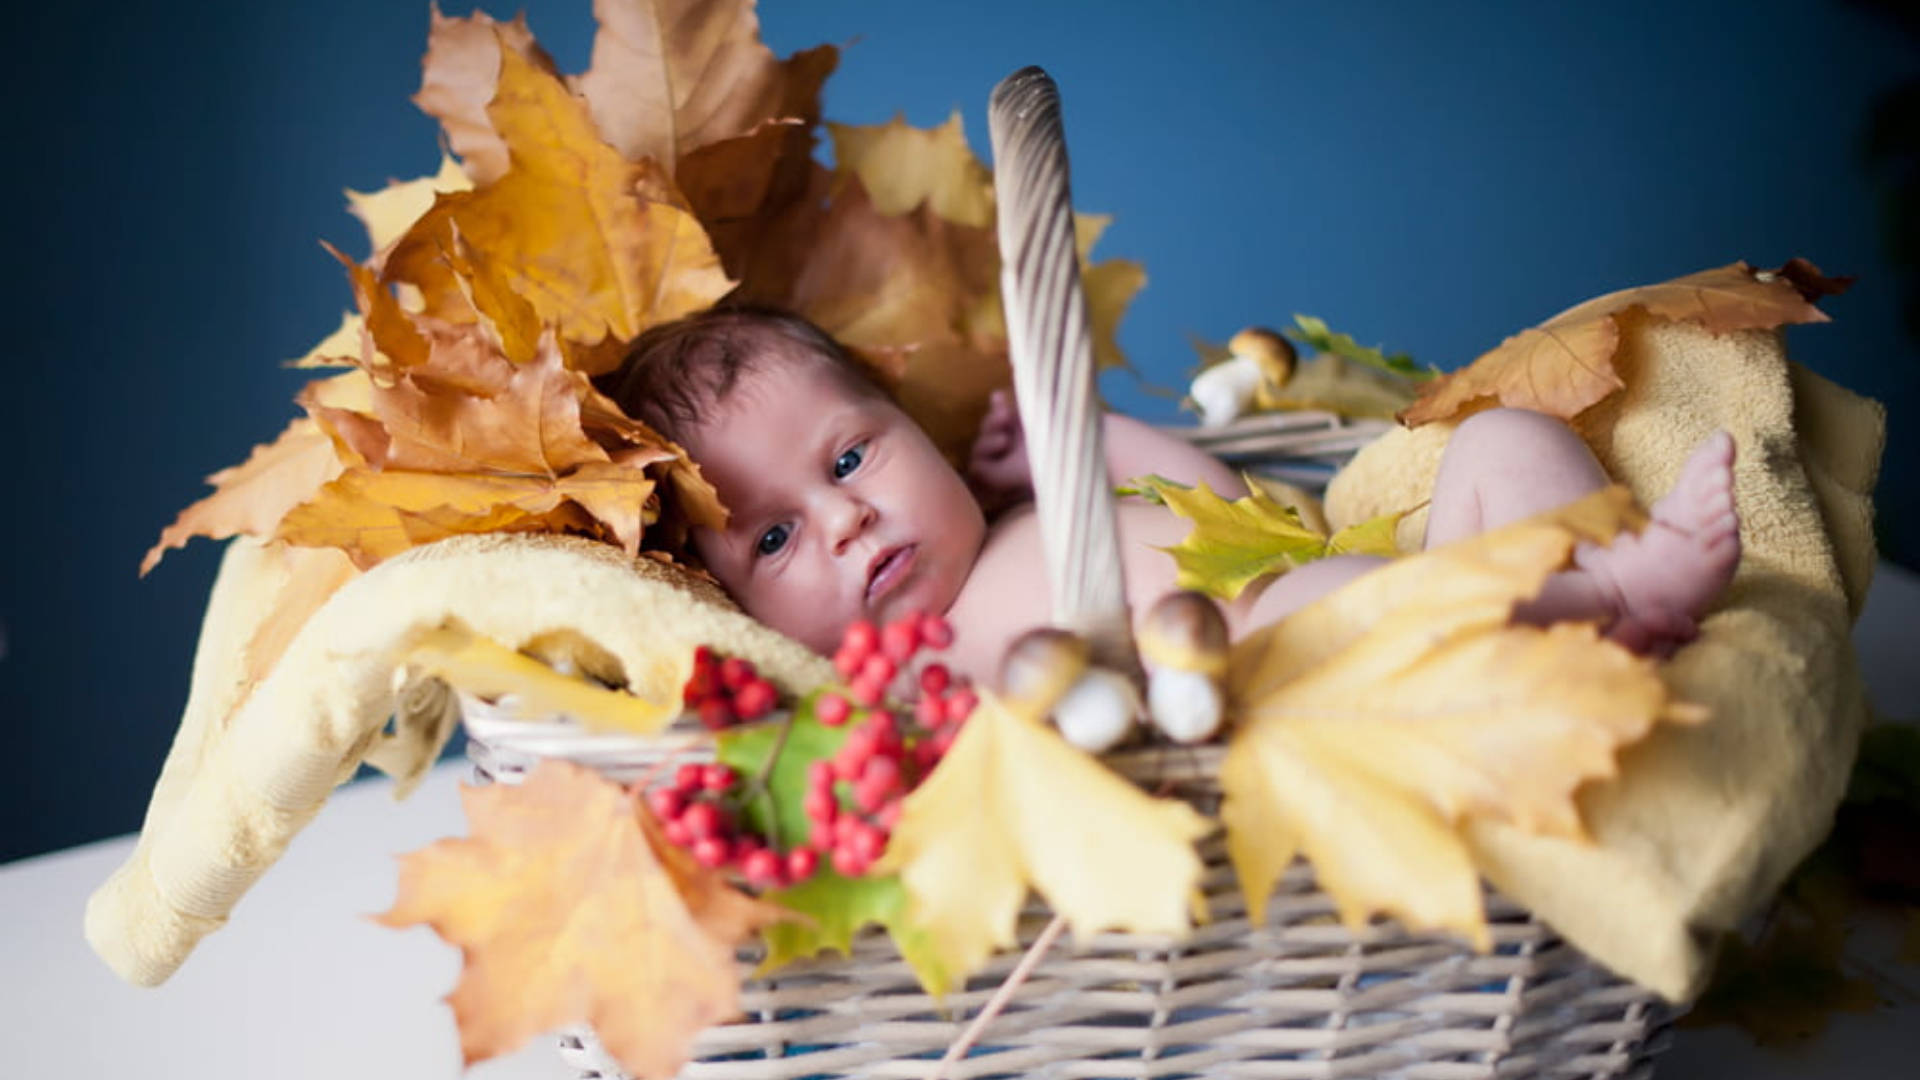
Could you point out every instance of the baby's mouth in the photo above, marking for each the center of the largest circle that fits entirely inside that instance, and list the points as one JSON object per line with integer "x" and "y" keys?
{"x": 888, "y": 570}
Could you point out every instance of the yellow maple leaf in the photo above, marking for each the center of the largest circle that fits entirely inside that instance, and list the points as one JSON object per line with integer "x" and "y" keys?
{"x": 254, "y": 496}
{"x": 903, "y": 167}
{"x": 1565, "y": 364}
{"x": 391, "y": 211}
{"x": 567, "y": 224}
{"x": 1014, "y": 806}
{"x": 342, "y": 348}
{"x": 481, "y": 666}
{"x": 1236, "y": 542}
{"x": 1109, "y": 286}
{"x": 1335, "y": 384}
{"x": 569, "y": 909}
{"x": 1372, "y": 721}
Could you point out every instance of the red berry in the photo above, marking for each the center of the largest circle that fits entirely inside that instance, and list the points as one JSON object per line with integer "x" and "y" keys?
{"x": 699, "y": 687}
{"x": 878, "y": 669}
{"x": 677, "y": 834}
{"x": 935, "y": 631}
{"x": 667, "y": 802}
{"x": 832, "y": 709}
{"x": 847, "y": 661}
{"x": 881, "y": 772}
{"x": 762, "y": 867}
{"x": 960, "y": 704}
{"x": 703, "y": 658}
{"x": 889, "y": 815}
{"x": 900, "y": 640}
{"x": 755, "y": 699}
{"x": 712, "y": 852}
{"x": 843, "y": 829}
{"x": 929, "y": 712}
{"x": 716, "y": 714}
{"x": 861, "y": 636}
{"x": 820, "y": 805}
{"x": 819, "y": 775}
{"x": 866, "y": 691}
{"x": 935, "y": 678}
{"x": 860, "y": 745}
{"x": 717, "y": 777}
{"x": 926, "y": 754}
{"x": 687, "y": 777}
{"x": 847, "y": 864}
{"x": 867, "y": 843}
{"x": 801, "y": 863}
{"x": 735, "y": 672}
{"x": 821, "y": 837}
{"x": 703, "y": 820}
{"x": 943, "y": 740}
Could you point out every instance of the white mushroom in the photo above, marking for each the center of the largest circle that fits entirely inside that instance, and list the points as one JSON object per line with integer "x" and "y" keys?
{"x": 1259, "y": 362}
{"x": 1047, "y": 671}
{"x": 1184, "y": 641}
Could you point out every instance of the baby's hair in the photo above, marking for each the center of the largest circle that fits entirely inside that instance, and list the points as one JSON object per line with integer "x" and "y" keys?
{"x": 675, "y": 372}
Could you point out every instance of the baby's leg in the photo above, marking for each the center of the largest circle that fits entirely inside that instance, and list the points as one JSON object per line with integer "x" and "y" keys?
{"x": 1504, "y": 465}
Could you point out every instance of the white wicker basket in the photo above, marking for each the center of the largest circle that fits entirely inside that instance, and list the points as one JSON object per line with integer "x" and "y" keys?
{"x": 1297, "y": 997}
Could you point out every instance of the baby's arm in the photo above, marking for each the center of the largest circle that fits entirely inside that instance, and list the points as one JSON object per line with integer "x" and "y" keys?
{"x": 999, "y": 470}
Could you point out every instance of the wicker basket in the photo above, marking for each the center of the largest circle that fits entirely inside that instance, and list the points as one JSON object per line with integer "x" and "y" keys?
{"x": 1299, "y": 996}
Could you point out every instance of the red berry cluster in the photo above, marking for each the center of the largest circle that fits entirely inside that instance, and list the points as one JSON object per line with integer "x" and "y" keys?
{"x": 853, "y": 801}
{"x": 726, "y": 691}
{"x": 695, "y": 814}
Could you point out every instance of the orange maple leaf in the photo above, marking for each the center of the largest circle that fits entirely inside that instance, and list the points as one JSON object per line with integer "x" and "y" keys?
{"x": 569, "y": 908}
{"x": 1565, "y": 365}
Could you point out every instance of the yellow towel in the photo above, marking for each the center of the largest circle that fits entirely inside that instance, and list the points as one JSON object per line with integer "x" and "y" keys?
{"x": 239, "y": 783}
{"x": 1706, "y": 821}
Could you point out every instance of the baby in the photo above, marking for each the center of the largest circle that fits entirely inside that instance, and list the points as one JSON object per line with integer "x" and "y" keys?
{"x": 843, "y": 509}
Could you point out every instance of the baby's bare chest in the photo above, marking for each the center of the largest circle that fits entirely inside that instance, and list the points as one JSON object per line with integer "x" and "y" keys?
{"x": 1007, "y": 591}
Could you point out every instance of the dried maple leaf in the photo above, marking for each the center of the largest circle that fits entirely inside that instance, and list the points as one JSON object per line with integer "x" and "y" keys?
{"x": 391, "y": 211}
{"x": 460, "y": 75}
{"x": 1373, "y": 720}
{"x": 1236, "y": 542}
{"x": 669, "y": 77}
{"x": 568, "y": 908}
{"x": 532, "y": 425}
{"x": 902, "y": 167}
{"x": 478, "y": 665}
{"x": 1565, "y": 365}
{"x": 1013, "y": 806}
{"x": 342, "y": 348}
{"x": 567, "y": 225}
{"x": 254, "y": 496}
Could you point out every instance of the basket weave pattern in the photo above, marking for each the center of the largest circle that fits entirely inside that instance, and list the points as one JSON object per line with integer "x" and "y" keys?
{"x": 1300, "y": 996}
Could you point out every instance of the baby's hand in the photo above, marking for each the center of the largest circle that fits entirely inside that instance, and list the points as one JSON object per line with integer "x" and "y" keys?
{"x": 998, "y": 470}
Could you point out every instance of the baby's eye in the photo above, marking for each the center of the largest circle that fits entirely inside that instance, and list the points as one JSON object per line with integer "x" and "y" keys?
{"x": 773, "y": 540}
{"x": 849, "y": 460}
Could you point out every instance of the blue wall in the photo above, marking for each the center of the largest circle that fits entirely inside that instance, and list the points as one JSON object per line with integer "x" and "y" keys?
{"x": 1431, "y": 176}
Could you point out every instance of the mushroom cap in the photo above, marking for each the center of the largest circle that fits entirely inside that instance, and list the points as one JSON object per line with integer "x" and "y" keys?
{"x": 1185, "y": 630}
{"x": 1040, "y": 665}
{"x": 1274, "y": 354}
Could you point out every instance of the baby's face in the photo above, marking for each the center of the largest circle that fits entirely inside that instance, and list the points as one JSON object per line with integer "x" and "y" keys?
{"x": 841, "y": 508}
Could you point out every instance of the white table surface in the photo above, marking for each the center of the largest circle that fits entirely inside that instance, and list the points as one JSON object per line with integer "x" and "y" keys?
{"x": 301, "y": 984}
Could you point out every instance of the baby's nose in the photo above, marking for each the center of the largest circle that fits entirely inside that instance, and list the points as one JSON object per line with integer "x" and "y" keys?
{"x": 852, "y": 516}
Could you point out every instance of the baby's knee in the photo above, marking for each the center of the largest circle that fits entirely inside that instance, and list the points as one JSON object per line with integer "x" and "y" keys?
{"x": 1503, "y": 428}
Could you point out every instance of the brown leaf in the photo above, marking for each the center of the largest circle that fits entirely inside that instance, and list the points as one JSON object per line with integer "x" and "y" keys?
{"x": 1565, "y": 365}
{"x": 569, "y": 909}
{"x": 391, "y": 335}
{"x": 531, "y": 426}
{"x": 668, "y": 77}
{"x": 458, "y": 77}
{"x": 564, "y": 224}
{"x": 253, "y": 497}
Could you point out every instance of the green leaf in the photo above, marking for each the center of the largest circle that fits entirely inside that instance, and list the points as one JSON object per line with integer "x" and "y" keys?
{"x": 1233, "y": 543}
{"x": 1374, "y": 536}
{"x": 1315, "y": 332}
{"x": 777, "y": 811}
{"x": 839, "y": 908}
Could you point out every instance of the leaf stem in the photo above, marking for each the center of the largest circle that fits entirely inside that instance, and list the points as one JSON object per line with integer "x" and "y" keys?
{"x": 1001, "y": 996}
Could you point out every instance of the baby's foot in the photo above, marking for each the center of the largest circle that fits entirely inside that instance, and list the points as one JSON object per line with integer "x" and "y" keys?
{"x": 1665, "y": 577}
